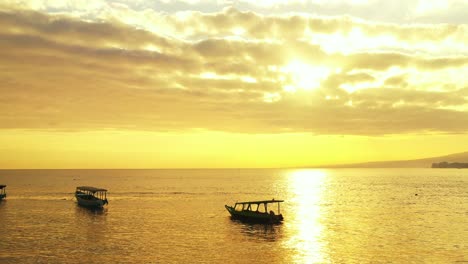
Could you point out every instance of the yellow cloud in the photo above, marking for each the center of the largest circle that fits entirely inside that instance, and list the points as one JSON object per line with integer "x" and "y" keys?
{"x": 65, "y": 73}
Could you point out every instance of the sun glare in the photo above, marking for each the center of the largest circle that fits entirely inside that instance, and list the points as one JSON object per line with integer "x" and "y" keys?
{"x": 306, "y": 76}
{"x": 308, "y": 187}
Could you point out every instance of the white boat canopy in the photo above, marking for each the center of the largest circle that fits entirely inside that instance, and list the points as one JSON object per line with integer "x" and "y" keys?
{"x": 91, "y": 189}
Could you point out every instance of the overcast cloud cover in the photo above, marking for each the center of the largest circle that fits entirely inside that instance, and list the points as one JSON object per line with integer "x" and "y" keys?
{"x": 324, "y": 67}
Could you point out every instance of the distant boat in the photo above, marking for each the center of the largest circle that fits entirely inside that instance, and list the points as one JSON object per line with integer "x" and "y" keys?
{"x": 256, "y": 211}
{"x": 91, "y": 196}
{"x": 2, "y": 191}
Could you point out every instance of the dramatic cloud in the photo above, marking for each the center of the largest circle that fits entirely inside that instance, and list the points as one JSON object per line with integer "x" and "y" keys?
{"x": 120, "y": 66}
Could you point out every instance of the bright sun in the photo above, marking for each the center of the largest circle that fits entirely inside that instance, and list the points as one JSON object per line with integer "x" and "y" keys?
{"x": 305, "y": 76}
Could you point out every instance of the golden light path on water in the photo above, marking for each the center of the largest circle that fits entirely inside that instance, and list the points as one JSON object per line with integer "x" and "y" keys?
{"x": 306, "y": 188}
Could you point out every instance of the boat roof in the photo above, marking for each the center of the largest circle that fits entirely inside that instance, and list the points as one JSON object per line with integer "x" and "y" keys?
{"x": 91, "y": 189}
{"x": 261, "y": 202}
{"x": 2, "y": 186}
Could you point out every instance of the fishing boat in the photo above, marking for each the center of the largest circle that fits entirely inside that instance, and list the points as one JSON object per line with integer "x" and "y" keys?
{"x": 256, "y": 211}
{"x": 91, "y": 196}
{"x": 2, "y": 191}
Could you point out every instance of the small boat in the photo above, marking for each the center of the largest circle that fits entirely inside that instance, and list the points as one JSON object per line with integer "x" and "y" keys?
{"x": 256, "y": 211}
{"x": 91, "y": 196}
{"x": 2, "y": 191}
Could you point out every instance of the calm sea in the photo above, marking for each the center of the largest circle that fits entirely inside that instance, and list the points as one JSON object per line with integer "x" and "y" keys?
{"x": 178, "y": 216}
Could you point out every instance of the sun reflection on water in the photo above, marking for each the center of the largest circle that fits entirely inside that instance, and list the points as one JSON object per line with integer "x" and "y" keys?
{"x": 306, "y": 188}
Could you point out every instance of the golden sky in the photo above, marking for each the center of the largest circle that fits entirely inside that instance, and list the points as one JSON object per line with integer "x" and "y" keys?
{"x": 200, "y": 84}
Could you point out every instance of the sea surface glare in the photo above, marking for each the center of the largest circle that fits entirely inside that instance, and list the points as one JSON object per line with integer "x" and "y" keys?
{"x": 178, "y": 216}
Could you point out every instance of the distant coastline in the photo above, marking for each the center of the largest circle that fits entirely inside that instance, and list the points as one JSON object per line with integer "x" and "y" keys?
{"x": 455, "y": 165}
{"x": 457, "y": 160}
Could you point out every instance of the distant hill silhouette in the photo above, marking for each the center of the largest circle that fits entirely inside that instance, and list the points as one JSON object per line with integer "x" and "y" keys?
{"x": 443, "y": 165}
{"x": 417, "y": 163}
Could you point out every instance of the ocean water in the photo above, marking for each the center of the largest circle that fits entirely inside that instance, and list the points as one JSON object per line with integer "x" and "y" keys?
{"x": 178, "y": 216}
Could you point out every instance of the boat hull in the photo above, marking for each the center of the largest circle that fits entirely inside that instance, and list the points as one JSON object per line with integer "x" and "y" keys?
{"x": 2, "y": 196}
{"x": 92, "y": 203}
{"x": 254, "y": 217}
